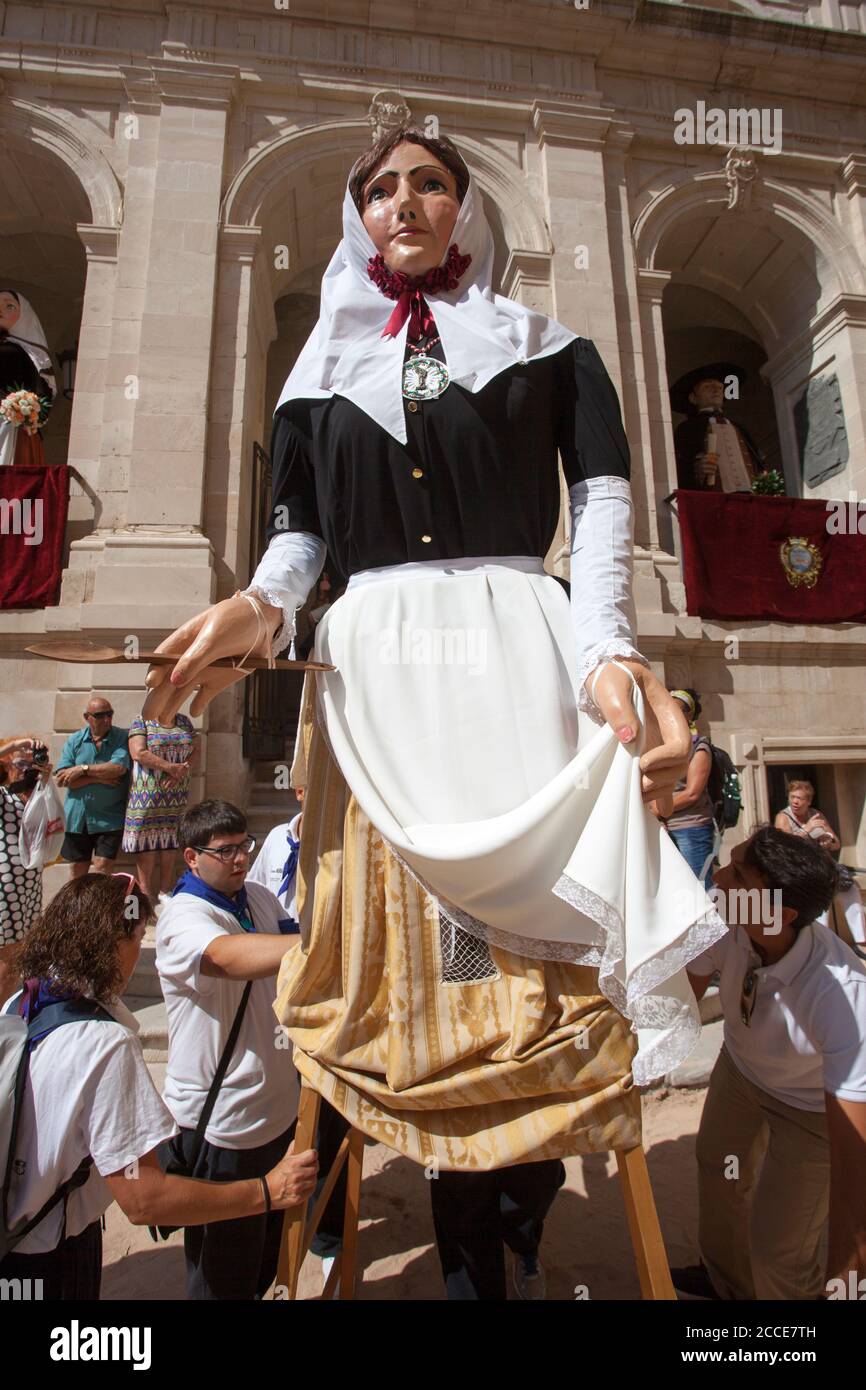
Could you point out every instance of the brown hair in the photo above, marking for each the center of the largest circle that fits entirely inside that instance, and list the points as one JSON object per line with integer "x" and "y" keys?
{"x": 73, "y": 943}
{"x": 798, "y": 785}
{"x": 442, "y": 147}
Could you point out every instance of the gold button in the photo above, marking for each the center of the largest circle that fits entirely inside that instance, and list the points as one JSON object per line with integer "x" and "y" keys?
{"x": 413, "y": 406}
{"x": 417, "y": 473}
{"x": 426, "y": 539}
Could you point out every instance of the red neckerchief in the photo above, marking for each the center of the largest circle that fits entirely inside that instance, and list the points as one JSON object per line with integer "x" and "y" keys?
{"x": 407, "y": 290}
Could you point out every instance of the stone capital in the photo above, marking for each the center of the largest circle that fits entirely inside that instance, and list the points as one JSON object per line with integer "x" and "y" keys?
{"x": 565, "y": 123}
{"x": 139, "y": 84}
{"x": 524, "y": 269}
{"x": 100, "y": 243}
{"x": 183, "y": 76}
{"x": 854, "y": 173}
{"x": 651, "y": 284}
{"x": 240, "y": 243}
{"x": 180, "y": 76}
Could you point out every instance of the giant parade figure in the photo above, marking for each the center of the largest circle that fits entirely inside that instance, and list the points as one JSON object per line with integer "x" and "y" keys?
{"x": 494, "y": 927}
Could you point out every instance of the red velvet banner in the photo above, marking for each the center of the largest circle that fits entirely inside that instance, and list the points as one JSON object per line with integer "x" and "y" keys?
{"x": 33, "y": 507}
{"x": 733, "y": 565}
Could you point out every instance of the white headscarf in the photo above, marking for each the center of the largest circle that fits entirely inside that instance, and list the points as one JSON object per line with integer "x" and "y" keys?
{"x": 482, "y": 333}
{"x": 30, "y": 335}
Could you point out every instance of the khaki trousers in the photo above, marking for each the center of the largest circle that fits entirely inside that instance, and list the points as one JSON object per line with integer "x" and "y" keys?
{"x": 763, "y": 1220}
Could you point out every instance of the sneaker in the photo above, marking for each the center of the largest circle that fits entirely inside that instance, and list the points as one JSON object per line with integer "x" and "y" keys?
{"x": 693, "y": 1282}
{"x": 529, "y": 1280}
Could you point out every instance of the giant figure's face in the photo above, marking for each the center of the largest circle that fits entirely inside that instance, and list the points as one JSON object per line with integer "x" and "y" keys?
{"x": 409, "y": 207}
{"x": 708, "y": 395}
{"x": 10, "y": 311}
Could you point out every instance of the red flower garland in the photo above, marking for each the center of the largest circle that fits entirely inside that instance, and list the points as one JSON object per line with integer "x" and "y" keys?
{"x": 407, "y": 290}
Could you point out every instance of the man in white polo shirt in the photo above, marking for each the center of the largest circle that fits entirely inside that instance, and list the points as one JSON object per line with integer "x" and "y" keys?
{"x": 786, "y": 1107}
{"x": 213, "y": 936}
{"x": 276, "y": 864}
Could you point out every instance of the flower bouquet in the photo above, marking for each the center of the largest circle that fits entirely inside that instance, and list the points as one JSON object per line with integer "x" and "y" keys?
{"x": 25, "y": 409}
{"x": 769, "y": 484}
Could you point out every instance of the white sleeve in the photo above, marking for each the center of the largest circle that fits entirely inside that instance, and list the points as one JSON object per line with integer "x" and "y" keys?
{"x": 124, "y": 1115}
{"x": 285, "y": 575}
{"x": 183, "y": 934}
{"x": 602, "y": 601}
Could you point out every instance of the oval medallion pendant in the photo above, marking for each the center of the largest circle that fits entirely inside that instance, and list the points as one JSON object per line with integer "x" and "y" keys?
{"x": 424, "y": 378}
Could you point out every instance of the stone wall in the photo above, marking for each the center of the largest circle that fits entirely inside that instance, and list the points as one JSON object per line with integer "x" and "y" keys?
{"x": 200, "y": 153}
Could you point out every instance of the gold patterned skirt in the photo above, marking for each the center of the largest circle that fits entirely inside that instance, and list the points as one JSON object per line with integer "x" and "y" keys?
{"x": 457, "y": 1054}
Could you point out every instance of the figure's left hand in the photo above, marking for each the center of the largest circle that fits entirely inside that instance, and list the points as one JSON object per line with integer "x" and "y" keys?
{"x": 667, "y": 743}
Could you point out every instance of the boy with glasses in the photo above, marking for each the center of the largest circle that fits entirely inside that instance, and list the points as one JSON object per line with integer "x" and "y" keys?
{"x": 782, "y": 1140}
{"x": 94, "y": 769}
{"x": 213, "y": 936}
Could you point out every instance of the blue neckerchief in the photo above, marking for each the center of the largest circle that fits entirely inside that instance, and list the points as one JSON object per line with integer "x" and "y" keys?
{"x": 36, "y": 995}
{"x": 237, "y": 906}
{"x": 291, "y": 863}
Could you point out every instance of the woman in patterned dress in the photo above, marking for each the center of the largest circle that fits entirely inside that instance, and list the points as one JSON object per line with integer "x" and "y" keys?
{"x": 20, "y": 888}
{"x": 162, "y": 761}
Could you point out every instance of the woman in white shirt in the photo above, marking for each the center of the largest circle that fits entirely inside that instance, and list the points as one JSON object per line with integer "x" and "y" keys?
{"x": 89, "y": 1095}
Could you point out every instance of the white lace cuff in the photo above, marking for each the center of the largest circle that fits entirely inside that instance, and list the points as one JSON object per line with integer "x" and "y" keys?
{"x": 284, "y": 577}
{"x": 596, "y": 656}
{"x": 602, "y": 602}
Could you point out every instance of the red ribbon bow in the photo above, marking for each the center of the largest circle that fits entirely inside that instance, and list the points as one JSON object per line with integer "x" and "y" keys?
{"x": 407, "y": 290}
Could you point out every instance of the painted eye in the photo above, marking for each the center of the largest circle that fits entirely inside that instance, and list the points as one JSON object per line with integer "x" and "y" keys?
{"x": 435, "y": 183}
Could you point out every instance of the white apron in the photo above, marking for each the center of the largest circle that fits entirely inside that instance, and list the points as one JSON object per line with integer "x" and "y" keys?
{"x": 453, "y": 715}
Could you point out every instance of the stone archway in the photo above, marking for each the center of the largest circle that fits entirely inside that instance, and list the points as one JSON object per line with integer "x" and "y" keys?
{"x": 60, "y": 188}
{"x": 56, "y": 132}
{"x": 783, "y": 264}
{"x": 63, "y": 207}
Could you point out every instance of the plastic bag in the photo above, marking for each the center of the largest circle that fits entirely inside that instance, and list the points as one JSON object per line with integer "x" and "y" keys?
{"x": 42, "y": 827}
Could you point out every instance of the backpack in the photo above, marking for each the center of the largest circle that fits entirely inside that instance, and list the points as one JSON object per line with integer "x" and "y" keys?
{"x": 723, "y": 786}
{"x": 17, "y": 1040}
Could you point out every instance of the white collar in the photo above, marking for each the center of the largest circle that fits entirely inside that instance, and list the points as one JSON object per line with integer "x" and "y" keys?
{"x": 786, "y": 969}
{"x": 482, "y": 333}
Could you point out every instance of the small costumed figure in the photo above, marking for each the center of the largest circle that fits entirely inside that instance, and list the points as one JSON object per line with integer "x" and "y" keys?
{"x": 27, "y": 385}
{"x": 713, "y": 453}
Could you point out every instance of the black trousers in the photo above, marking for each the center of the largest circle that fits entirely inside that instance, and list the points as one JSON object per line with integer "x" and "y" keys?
{"x": 475, "y": 1213}
{"x": 231, "y": 1259}
{"x": 328, "y": 1239}
{"x": 71, "y": 1271}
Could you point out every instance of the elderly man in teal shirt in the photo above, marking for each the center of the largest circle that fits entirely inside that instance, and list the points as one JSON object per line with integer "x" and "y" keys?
{"x": 94, "y": 768}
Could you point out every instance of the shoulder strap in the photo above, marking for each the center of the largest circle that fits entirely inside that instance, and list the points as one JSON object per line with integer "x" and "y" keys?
{"x": 65, "y": 1011}
{"x": 51, "y": 1017}
{"x": 219, "y": 1077}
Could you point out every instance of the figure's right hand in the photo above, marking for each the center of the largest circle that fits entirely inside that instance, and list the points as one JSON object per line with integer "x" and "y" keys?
{"x": 294, "y": 1178}
{"x": 226, "y": 629}
{"x": 707, "y": 465}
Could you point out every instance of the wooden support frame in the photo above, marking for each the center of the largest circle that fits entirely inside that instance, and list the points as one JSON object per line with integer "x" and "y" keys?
{"x": 640, "y": 1208}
